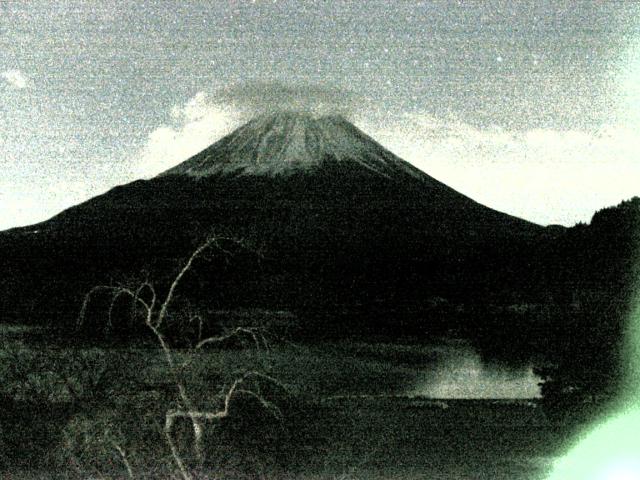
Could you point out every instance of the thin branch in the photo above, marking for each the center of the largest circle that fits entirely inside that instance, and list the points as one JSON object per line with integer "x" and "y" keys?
{"x": 149, "y": 307}
{"x": 116, "y": 292}
{"x": 125, "y": 461}
{"x": 178, "y": 278}
{"x": 87, "y": 300}
{"x": 197, "y": 318}
{"x": 183, "y": 395}
{"x": 233, "y": 391}
{"x": 184, "y": 472}
{"x": 252, "y": 332}
{"x": 267, "y": 405}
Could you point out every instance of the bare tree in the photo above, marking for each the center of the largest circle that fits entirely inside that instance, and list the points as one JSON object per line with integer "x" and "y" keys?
{"x": 154, "y": 313}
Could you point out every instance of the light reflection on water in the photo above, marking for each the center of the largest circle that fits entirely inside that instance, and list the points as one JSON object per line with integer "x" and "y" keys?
{"x": 458, "y": 372}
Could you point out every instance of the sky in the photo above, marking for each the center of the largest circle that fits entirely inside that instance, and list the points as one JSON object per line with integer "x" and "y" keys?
{"x": 531, "y": 108}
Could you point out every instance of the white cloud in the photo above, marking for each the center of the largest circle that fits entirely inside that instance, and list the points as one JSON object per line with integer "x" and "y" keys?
{"x": 543, "y": 175}
{"x": 15, "y": 78}
{"x": 196, "y": 125}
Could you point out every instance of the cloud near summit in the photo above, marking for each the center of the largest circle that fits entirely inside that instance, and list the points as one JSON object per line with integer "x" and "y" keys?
{"x": 547, "y": 176}
{"x": 262, "y": 97}
{"x": 208, "y": 116}
{"x": 194, "y": 126}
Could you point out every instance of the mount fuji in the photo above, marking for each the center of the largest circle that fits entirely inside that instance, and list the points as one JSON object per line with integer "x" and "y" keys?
{"x": 347, "y": 229}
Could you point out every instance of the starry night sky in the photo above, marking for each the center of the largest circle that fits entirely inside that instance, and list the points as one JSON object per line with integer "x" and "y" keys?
{"x": 532, "y": 108}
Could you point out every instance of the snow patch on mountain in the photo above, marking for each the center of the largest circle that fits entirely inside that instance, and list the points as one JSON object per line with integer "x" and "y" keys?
{"x": 285, "y": 142}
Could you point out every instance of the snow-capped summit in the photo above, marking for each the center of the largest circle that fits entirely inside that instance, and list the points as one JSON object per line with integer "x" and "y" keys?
{"x": 285, "y": 142}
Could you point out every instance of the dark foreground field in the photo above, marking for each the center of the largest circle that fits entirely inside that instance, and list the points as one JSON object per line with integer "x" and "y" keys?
{"x": 402, "y": 438}
{"x": 395, "y": 439}
{"x": 343, "y": 416}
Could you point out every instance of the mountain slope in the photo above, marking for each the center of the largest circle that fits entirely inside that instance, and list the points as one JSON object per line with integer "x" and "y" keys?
{"x": 345, "y": 226}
